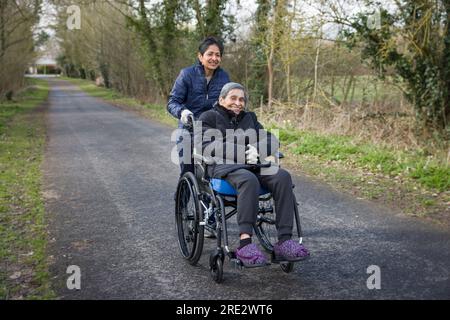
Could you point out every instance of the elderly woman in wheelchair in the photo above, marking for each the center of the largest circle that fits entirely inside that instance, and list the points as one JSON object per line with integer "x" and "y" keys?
{"x": 231, "y": 173}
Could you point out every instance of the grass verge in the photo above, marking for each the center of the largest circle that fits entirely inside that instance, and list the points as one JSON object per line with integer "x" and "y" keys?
{"x": 23, "y": 234}
{"x": 413, "y": 181}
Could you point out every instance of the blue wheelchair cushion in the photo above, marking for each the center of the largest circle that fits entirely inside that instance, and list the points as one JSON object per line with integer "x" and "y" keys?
{"x": 225, "y": 188}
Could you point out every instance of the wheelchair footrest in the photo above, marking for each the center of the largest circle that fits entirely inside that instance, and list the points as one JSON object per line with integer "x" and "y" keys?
{"x": 275, "y": 260}
{"x": 238, "y": 264}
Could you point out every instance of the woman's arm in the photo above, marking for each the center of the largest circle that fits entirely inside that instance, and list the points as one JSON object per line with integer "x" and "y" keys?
{"x": 178, "y": 95}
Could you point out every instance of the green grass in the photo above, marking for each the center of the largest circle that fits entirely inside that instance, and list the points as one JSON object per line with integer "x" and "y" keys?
{"x": 429, "y": 173}
{"x": 23, "y": 235}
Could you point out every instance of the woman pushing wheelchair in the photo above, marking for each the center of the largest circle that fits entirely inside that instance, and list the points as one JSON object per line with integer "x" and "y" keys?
{"x": 237, "y": 163}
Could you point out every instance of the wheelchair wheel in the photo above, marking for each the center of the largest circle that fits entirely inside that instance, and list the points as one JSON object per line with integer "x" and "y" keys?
{"x": 287, "y": 266}
{"x": 266, "y": 230}
{"x": 188, "y": 215}
{"x": 216, "y": 267}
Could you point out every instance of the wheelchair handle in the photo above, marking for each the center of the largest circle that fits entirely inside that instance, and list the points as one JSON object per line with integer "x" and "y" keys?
{"x": 190, "y": 124}
{"x": 191, "y": 121}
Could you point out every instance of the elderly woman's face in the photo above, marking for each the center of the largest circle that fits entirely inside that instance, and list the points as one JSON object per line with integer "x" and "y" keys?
{"x": 234, "y": 101}
{"x": 211, "y": 58}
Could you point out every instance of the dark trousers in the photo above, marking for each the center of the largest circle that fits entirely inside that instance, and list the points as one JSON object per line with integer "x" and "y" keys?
{"x": 247, "y": 185}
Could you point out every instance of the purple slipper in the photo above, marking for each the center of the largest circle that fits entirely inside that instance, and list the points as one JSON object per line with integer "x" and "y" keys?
{"x": 290, "y": 250}
{"x": 251, "y": 256}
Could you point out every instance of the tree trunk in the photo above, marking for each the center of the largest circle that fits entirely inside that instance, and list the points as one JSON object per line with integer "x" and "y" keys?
{"x": 3, "y": 4}
{"x": 446, "y": 70}
{"x": 332, "y": 86}
{"x": 288, "y": 82}
{"x": 288, "y": 51}
{"x": 316, "y": 70}
{"x": 168, "y": 46}
{"x": 348, "y": 88}
{"x": 199, "y": 16}
{"x": 214, "y": 18}
{"x": 270, "y": 73}
{"x": 257, "y": 81}
{"x": 272, "y": 44}
{"x": 147, "y": 34}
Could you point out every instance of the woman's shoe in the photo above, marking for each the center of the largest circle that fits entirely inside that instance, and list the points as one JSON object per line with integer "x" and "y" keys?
{"x": 290, "y": 250}
{"x": 251, "y": 256}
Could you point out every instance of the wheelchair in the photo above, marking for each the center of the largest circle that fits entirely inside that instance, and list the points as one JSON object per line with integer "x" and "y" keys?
{"x": 200, "y": 199}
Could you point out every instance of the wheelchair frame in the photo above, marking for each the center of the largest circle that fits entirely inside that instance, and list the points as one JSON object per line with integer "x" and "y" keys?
{"x": 206, "y": 203}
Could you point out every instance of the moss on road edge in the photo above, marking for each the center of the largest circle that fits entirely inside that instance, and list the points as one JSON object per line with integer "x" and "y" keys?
{"x": 23, "y": 227}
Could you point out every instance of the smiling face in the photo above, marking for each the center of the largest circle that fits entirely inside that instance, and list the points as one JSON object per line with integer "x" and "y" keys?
{"x": 234, "y": 101}
{"x": 210, "y": 59}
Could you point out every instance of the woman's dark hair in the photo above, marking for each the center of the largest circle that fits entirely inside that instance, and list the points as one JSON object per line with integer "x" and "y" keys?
{"x": 208, "y": 42}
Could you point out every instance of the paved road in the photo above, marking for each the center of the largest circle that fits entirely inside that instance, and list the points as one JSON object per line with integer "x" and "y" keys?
{"x": 109, "y": 184}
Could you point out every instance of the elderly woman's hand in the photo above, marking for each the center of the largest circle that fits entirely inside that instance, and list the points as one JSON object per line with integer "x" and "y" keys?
{"x": 251, "y": 155}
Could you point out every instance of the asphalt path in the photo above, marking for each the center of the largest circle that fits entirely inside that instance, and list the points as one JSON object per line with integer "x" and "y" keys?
{"x": 109, "y": 185}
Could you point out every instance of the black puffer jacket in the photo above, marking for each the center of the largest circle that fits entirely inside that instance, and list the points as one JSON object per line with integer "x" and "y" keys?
{"x": 234, "y": 144}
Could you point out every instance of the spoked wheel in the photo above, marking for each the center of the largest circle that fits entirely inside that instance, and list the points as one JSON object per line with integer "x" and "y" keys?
{"x": 188, "y": 215}
{"x": 266, "y": 232}
{"x": 216, "y": 267}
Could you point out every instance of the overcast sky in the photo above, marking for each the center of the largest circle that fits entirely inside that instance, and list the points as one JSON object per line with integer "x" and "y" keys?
{"x": 243, "y": 13}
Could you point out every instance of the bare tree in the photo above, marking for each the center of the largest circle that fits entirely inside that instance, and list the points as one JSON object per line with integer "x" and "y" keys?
{"x": 17, "y": 22}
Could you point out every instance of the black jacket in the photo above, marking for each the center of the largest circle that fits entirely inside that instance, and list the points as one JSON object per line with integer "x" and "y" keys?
{"x": 232, "y": 141}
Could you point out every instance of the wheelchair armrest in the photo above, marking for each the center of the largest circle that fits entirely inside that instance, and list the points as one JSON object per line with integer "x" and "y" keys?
{"x": 279, "y": 155}
{"x": 207, "y": 160}
{"x": 274, "y": 158}
{"x": 263, "y": 164}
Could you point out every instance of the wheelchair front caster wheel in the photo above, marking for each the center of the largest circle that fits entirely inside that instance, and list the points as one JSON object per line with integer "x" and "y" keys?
{"x": 216, "y": 267}
{"x": 287, "y": 266}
